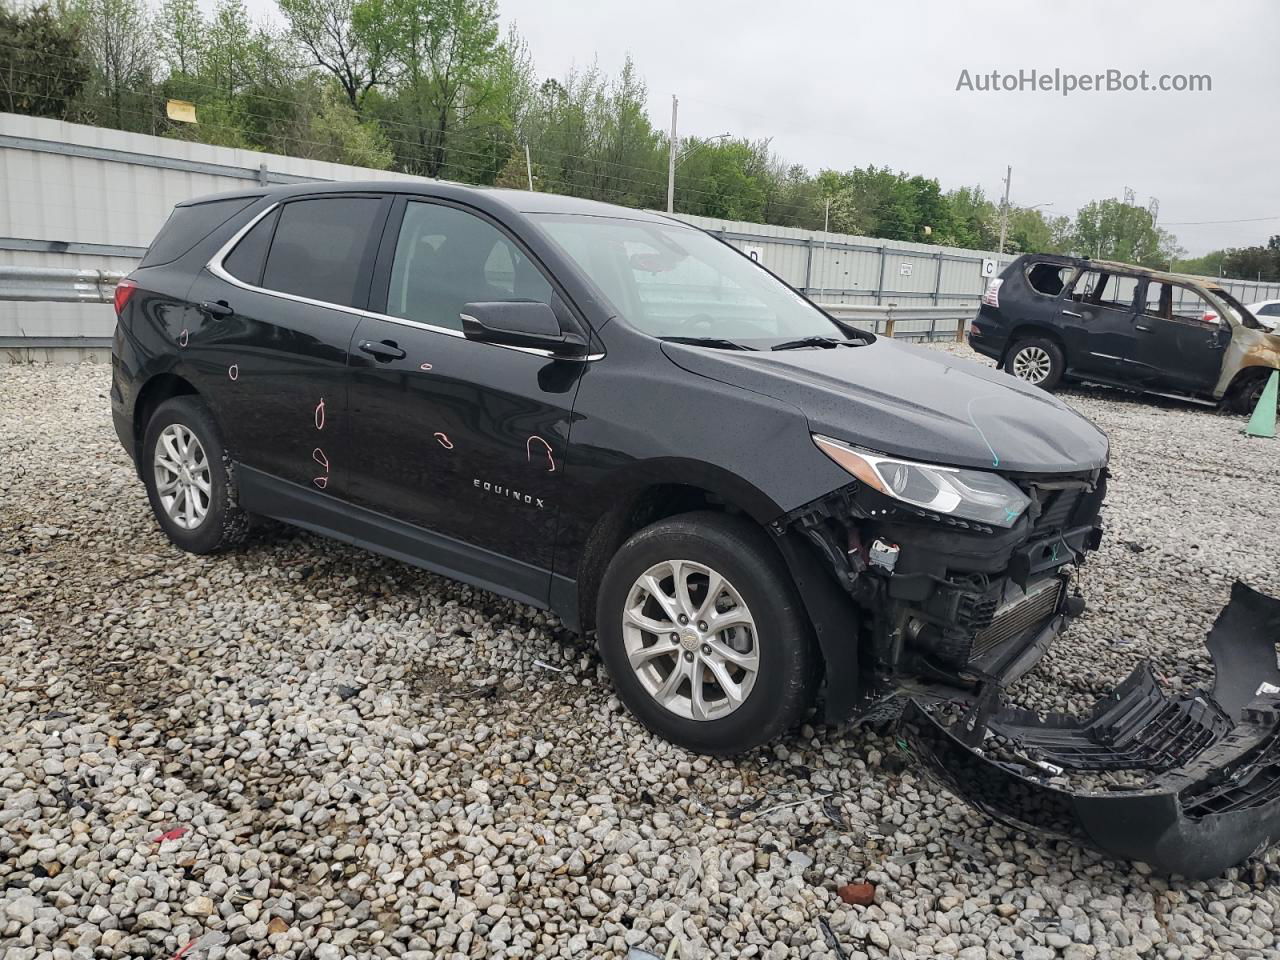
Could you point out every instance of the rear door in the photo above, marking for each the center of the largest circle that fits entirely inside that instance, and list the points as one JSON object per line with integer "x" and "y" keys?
{"x": 461, "y": 439}
{"x": 1180, "y": 340}
{"x": 1098, "y": 324}
{"x": 280, "y": 305}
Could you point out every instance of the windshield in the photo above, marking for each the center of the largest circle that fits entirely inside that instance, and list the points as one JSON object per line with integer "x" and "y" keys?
{"x": 669, "y": 280}
{"x": 1243, "y": 314}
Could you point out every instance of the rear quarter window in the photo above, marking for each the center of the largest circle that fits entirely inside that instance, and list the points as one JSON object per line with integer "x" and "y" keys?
{"x": 188, "y": 225}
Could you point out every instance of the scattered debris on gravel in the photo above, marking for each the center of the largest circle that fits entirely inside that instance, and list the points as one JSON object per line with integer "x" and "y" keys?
{"x": 303, "y": 750}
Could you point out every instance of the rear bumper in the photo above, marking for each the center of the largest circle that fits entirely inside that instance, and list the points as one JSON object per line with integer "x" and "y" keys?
{"x": 1202, "y": 771}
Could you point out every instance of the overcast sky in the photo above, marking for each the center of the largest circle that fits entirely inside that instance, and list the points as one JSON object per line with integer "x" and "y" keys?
{"x": 844, "y": 83}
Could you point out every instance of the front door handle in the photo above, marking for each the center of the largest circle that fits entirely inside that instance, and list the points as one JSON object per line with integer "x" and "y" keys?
{"x": 1072, "y": 313}
{"x": 383, "y": 350}
{"x": 216, "y": 309}
{"x": 1144, "y": 328}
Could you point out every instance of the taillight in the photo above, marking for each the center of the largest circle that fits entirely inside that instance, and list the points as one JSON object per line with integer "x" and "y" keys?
{"x": 124, "y": 290}
{"x": 992, "y": 297}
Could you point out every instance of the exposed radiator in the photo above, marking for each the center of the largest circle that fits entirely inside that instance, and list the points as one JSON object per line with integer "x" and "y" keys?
{"x": 1036, "y": 605}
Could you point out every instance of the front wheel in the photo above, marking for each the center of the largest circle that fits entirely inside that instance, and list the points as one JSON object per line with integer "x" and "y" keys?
{"x": 704, "y": 635}
{"x": 1247, "y": 396}
{"x": 1037, "y": 361}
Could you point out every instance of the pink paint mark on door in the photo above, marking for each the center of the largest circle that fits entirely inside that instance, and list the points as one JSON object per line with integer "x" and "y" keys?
{"x": 233, "y": 371}
{"x": 426, "y": 367}
{"x": 443, "y": 440}
{"x": 318, "y": 456}
{"x": 320, "y": 414}
{"x": 528, "y": 452}
{"x": 320, "y": 482}
{"x": 183, "y": 337}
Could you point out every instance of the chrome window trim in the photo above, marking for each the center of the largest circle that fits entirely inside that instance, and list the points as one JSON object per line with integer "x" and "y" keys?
{"x": 215, "y": 267}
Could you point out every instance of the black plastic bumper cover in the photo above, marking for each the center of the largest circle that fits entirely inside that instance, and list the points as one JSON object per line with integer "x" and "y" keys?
{"x": 1210, "y": 791}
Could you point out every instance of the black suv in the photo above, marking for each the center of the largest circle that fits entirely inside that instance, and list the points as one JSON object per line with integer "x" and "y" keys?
{"x": 620, "y": 418}
{"x": 1050, "y": 318}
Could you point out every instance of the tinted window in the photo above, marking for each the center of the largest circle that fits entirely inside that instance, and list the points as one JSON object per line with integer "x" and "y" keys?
{"x": 319, "y": 247}
{"x": 1270, "y": 310}
{"x": 188, "y": 225}
{"x": 446, "y": 258}
{"x": 245, "y": 262}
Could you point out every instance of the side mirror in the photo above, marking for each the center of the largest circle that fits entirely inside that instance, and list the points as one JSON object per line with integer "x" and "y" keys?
{"x": 520, "y": 323}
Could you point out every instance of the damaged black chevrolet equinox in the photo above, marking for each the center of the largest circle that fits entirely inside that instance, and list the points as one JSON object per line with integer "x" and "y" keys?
{"x": 620, "y": 418}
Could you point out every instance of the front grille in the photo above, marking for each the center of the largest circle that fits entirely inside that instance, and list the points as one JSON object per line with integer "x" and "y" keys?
{"x": 1057, "y": 512}
{"x": 1037, "y": 604}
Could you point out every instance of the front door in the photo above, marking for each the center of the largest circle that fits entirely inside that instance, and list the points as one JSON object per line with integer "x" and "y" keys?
{"x": 1180, "y": 340}
{"x": 461, "y": 439}
{"x": 1097, "y": 322}
{"x": 278, "y": 320}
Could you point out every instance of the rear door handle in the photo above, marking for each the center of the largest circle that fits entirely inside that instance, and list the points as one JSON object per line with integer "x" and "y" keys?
{"x": 383, "y": 350}
{"x": 1072, "y": 313}
{"x": 1143, "y": 328}
{"x": 217, "y": 309}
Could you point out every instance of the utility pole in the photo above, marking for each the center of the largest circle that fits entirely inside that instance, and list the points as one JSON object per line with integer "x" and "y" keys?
{"x": 826, "y": 223}
{"x": 1004, "y": 215}
{"x": 671, "y": 161}
{"x": 528, "y": 165}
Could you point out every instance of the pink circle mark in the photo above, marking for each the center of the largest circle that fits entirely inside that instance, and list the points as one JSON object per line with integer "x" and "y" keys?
{"x": 320, "y": 414}
{"x": 425, "y": 366}
{"x": 233, "y": 371}
{"x": 444, "y": 440}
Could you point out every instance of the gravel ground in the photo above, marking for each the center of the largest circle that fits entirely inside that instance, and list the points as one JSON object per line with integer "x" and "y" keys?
{"x": 304, "y": 750}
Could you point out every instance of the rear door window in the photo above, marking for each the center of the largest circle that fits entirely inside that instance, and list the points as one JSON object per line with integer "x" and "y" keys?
{"x": 1106, "y": 290}
{"x": 321, "y": 247}
{"x": 246, "y": 261}
{"x": 188, "y": 225}
{"x": 1049, "y": 278}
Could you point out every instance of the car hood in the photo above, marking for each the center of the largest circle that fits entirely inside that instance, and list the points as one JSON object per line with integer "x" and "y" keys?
{"x": 913, "y": 402}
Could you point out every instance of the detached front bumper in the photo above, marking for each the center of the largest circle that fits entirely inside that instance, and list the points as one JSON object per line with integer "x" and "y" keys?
{"x": 1202, "y": 771}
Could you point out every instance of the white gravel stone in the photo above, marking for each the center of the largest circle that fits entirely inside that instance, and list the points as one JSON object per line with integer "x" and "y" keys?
{"x": 374, "y": 758}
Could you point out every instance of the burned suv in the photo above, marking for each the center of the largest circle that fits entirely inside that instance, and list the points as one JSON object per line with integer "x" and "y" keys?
{"x": 1047, "y": 318}
{"x": 619, "y": 418}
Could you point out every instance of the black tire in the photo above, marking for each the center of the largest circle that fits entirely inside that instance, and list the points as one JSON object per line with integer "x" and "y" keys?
{"x": 224, "y": 524}
{"x": 1245, "y": 397}
{"x": 1057, "y": 363}
{"x": 786, "y": 678}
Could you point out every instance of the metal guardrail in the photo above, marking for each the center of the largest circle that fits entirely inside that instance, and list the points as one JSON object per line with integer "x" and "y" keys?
{"x": 58, "y": 284}
{"x": 904, "y": 323}
{"x": 63, "y": 285}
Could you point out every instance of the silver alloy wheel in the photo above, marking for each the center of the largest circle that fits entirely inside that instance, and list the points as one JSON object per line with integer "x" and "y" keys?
{"x": 691, "y": 640}
{"x": 1032, "y": 364}
{"x": 183, "y": 479}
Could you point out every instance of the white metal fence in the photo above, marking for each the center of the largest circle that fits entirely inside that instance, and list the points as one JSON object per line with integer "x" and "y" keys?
{"x": 87, "y": 198}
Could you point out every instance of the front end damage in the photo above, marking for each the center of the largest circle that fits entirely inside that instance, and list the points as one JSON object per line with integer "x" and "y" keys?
{"x": 948, "y": 614}
{"x": 946, "y": 600}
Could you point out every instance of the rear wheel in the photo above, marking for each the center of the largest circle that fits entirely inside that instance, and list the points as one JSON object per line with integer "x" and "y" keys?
{"x": 1037, "y": 361}
{"x": 704, "y": 635}
{"x": 190, "y": 479}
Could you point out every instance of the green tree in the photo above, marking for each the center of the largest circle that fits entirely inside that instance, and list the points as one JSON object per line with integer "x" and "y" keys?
{"x": 117, "y": 37}
{"x": 347, "y": 38}
{"x": 181, "y": 34}
{"x": 42, "y": 62}
{"x": 1114, "y": 230}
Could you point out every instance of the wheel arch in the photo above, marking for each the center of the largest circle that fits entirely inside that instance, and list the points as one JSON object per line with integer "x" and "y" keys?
{"x": 158, "y": 388}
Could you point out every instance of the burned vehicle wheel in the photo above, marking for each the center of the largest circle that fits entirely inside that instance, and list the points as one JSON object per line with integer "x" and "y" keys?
{"x": 1246, "y": 397}
{"x": 189, "y": 478}
{"x": 704, "y": 635}
{"x": 1037, "y": 361}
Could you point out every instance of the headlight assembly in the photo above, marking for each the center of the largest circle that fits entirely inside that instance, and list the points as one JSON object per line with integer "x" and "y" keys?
{"x": 954, "y": 491}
